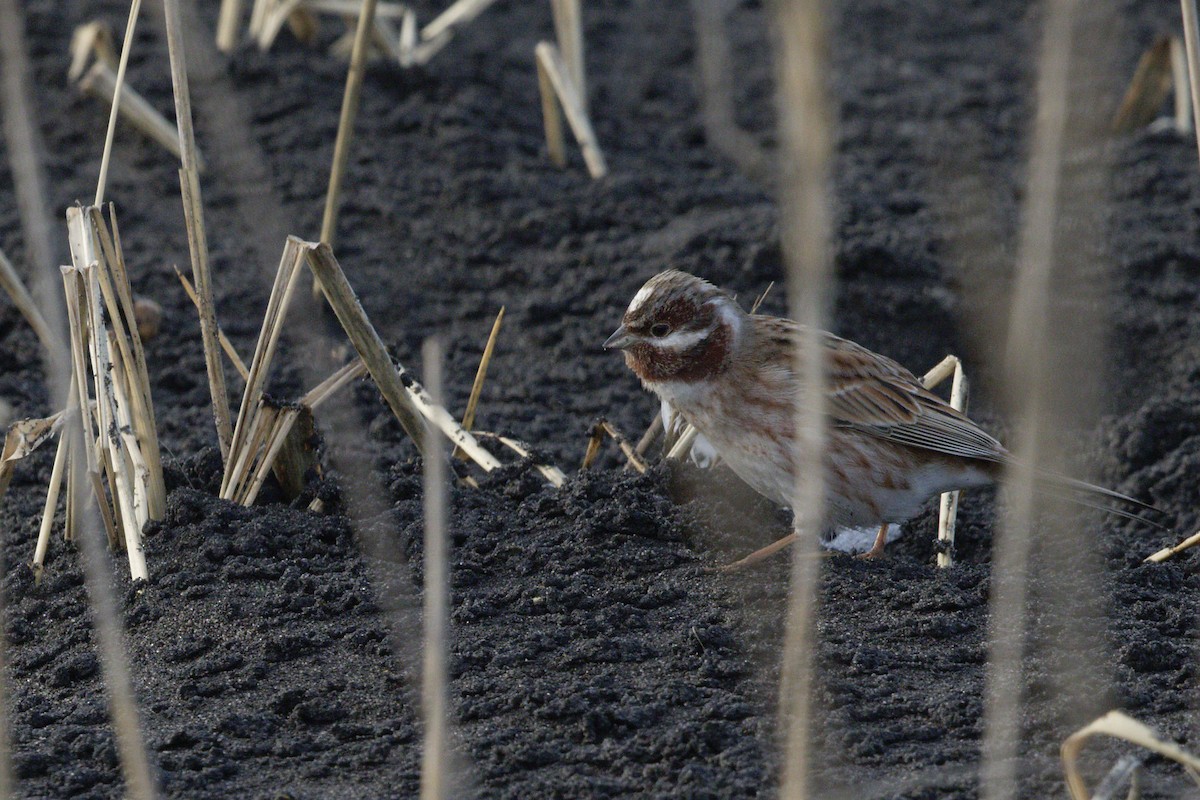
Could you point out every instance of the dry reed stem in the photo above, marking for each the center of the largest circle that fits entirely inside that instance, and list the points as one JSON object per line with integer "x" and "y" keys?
{"x": 56, "y": 481}
{"x": 557, "y": 77}
{"x": 226, "y": 345}
{"x": 118, "y": 83}
{"x": 717, "y": 95}
{"x": 1191, "y": 35}
{"x": 341, "y": 147}
{"x": 626, "y": 448}
{"x": 334, "y": 383}
{"x": 568, "y": 30}
{"x": 407, "y": 399}
{"x": 1181, "y": 86}
{"x": 595, "y": 438}
{"x": 273, "y": 446}
{"x": 556, "y": 145}
{"x": 456, "y": 15}
{"x": 652, "y": 432}
{"x": 551, "y": 473}
{"x": 100, "y": 82}
{"x": 1147, "y": 90}
{"x": 806, "y": 137}
{"x": 1168, "y": 552}
{"x": 948, "y": 502}
{"x": 12, "y": 284}
{"x": 1028, "y": 363}
{"x": 683, "y": 445}
{"x": 118, "y": 297}
{"x": 468, "y": 420}
{"x": 88, "y": 41}
{"x": 1119, "y": 726}
{"x": 278, "y": 302}
{"x": 438, "y": 33}
{"x": 435, "y": 710}
{"x": 228, "y": 21}
{"x": 130, "y": 513}
{"x": 604, "y": 428}
{"x": 272, "y": 22}
{"x": 193, "y": 213}
{"x": 351, "y": 8}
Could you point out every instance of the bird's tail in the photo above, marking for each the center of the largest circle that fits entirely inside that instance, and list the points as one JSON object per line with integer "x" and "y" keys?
{"x": 1089, "y": 495}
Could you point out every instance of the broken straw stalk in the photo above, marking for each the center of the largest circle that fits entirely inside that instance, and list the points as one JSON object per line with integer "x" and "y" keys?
{"x": 261, "y": 430}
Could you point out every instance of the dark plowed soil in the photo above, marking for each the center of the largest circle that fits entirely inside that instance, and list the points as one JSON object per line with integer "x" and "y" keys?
{"x": 273, "y": 651}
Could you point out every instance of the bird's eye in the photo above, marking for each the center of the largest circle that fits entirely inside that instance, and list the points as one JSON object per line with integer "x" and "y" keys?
{"x": 659, "y": 330}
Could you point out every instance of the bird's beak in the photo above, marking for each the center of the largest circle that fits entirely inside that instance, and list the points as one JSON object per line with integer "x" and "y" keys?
{"x": 620, "y": 339}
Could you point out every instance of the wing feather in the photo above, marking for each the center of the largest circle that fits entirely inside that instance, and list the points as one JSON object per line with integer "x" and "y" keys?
{"x": 874, "y": 394}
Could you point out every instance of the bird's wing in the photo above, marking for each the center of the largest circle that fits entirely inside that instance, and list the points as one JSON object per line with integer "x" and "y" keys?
{"x": 874, "y": 394}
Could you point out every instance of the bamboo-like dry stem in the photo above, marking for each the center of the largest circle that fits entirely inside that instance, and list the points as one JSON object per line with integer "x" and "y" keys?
{"x": 363, "y": 336}
{"x": 273, "y": 22}
{"x": 1168, "y": 552}
{"x": 568, "y": 30}
{"x": 1147, "y": 90}
{"x": 551, "y": 473}
{"x": 241, "y": 448}
{"x": 118, "y": 83}
{"x": 652, "y": 432}
{"x": 557, "y": 77}
{"x": 1120, "y": 726}
{"x": 717, "y": 98}
{"x": 595, "y": 439}
{"x": 805, "y": 153}
{"x": 228, "y": 21}
{"x": 12, "y": 284}
{"x": 101, "y": 82}
{"x": 193, "y": 213}
{"x": 328, "y": 387}
{"x": 56, "y": 481}
{"x": 226, "y": 345}
{"x": 604, "y": 428}
{"x": 434, "y": 695}
{"x": 468, "y": 420}
{"x": 556, "y": 143}
{"x": 1181, "y": 85}
{"x": 683, "y": 445}
{"x": 1028, "y": 366}
{"x": 1191, "y": 40}
{"x": 118, "y": 297}
{"x": 341, "y": 147}
{"x": 948, "y": 502}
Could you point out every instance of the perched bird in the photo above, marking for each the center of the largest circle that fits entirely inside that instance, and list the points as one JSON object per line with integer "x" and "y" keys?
{"x": 891, "y": 445}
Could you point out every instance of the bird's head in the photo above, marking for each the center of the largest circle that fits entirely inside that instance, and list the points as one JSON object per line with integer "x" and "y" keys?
{"x": 678, "y": 328}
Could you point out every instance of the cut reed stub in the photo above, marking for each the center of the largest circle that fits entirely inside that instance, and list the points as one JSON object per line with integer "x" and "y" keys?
{"x": 108, "y": 363}
{"x": 604, "y": 428}
{"x": 406, "y": 397}
{"x": 558, "y": 90}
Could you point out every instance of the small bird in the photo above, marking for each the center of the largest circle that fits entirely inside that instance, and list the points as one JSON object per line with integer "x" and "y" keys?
{"x": 891, "y": 443}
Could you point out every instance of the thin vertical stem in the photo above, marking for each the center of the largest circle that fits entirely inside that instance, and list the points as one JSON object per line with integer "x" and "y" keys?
{"x": 434, "y": 767}
{"x": 1027, "y": 370}
{"x": 126, "y": 46}
{"x": 193, "y": 211}
{"x": 1191, "y": 41}
{"x": 806, "y": 135}
{"x": 350, "y": 100}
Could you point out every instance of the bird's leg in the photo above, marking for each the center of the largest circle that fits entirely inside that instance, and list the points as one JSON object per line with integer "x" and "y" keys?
{"x": 880, "y": 542}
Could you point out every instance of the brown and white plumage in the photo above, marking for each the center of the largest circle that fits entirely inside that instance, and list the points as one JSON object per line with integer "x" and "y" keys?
{"x": 892, "y": 444}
